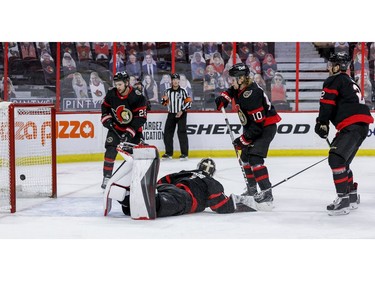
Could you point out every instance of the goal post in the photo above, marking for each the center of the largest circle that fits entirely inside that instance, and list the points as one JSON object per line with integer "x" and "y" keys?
{"x": 27, "y": 152}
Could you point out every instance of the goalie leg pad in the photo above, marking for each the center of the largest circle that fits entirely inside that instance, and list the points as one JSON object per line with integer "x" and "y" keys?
{"x": 143, "y": 184}
{"x": 118, "y": 185}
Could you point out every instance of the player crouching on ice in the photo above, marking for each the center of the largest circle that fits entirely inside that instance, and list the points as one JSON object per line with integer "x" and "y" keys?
{"x": 141, "y": 196}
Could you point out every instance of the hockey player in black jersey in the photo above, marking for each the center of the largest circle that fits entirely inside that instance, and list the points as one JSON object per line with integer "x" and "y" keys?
{"x": 123, "y": 114}
{"x": 343, "y": 105}
{"x": 258, "y": 118}
{"x": 141, "y": 196}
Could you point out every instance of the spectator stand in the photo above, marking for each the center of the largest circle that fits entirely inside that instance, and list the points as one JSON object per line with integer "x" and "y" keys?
{"x": 149, "y": 48}
{"x": 149, "y": 67}
{"x": 164, "y": 84}
{"x": 98, "y": 87}
{"x": 209, "y": 86}
{"x": 244, "y": 49}
{"x": 84, "y": 56}
{"x": 260, "y": 50}
{"x": 253, "y": 63}
{"x": 210, "y": 48}
{"x": 269, "y": 67}
{"x": 217, "y": 62}
{"x": 164, "y": 58}
{"x": 14, "y": 59}
{"x": 278, "y": 93}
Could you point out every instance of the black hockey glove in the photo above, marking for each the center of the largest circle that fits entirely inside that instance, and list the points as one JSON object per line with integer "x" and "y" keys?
{"x": 108, "y": 123}
{"x": 241, "y": 142}
{"x": 221, "y": 102}
{"x": 321, "y": 129}
{"x": 126, "y": 137}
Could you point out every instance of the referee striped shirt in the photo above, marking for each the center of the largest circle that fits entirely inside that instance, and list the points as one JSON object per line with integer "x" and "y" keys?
{"x": 178, "y": 100}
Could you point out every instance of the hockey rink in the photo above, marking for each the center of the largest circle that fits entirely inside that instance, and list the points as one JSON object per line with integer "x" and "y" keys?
{"x": 299, "y": 211}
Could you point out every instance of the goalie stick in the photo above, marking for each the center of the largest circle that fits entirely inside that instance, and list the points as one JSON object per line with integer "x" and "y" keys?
{"x": 235, "y": 149}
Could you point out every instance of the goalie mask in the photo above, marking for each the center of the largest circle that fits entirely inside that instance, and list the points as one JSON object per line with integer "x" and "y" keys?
{"x": 207, "y": 165}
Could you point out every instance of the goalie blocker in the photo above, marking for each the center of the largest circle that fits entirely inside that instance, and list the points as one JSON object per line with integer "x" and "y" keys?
{"x": 133, "y": 186}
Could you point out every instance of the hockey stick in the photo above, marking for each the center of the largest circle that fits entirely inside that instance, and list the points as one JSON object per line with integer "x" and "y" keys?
{"x": 235, "y": 149}
{"x": 298, "y": 173}
{"x": 292, "y": 176}
{"x": 114, "y": 130}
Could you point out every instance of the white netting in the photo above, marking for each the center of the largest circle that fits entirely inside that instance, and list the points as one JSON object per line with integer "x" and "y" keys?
{"x": 33, "y": 152}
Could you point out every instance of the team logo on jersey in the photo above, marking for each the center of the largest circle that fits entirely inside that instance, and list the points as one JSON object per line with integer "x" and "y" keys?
{"x": 138, "y": 92}
{"x": 242, "y": 117}
{"x": 123, "y": 115}
{"x": 247, "y": 94}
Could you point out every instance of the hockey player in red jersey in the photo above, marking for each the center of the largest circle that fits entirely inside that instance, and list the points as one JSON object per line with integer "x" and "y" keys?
{"x": 343, "y": 105}
{"x": 258, "y": 118}
{"x": 123, "y": 114}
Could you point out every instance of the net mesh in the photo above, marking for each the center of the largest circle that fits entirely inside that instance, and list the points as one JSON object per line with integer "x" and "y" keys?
{"x": 33, "y": 153}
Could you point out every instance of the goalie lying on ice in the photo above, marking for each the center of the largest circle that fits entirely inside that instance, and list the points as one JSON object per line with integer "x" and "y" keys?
{"x": 141, "y": 196}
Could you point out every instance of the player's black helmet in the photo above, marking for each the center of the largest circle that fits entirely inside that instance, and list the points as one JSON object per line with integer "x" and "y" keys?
{"x": 207, "y": 165}
{"x": 175, "y": 76}
{"x": 238, "y": 70}
{"x": 121, "y": 76}
{"x": 342, "y": 59}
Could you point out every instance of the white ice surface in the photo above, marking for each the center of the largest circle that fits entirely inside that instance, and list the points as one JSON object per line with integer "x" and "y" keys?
{"x": 299, "y": 211}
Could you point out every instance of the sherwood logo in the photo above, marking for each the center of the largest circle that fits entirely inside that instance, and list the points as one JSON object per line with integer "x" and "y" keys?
{"x": 221, "y": 129}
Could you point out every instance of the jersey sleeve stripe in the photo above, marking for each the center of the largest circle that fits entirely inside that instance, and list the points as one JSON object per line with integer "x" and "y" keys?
{"x": 331, "y": 102}
{"x": 331, "y": 91}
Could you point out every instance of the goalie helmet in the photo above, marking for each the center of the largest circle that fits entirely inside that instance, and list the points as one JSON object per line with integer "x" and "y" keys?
{"x": 121, "y": 76}
{"x": 239, "y": 69}
{"x": 342, "y": 59}
{"x": 207, "y": 165}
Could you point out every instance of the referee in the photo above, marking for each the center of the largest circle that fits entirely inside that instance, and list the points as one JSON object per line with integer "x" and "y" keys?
{"x": 177, "y": 101}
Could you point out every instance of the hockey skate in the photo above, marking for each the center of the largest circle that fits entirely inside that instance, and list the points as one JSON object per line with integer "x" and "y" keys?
{"x": 339, "y": 207}
{"x": 183, "y": 157}
{"x": 105, "y": 181}
{"x": 166, "y": 157}
{"x": 244, "y": 203}
{"x": 264, "y": 200}
{"x": 354, "y": 198}
{"x": 250, "y": 191}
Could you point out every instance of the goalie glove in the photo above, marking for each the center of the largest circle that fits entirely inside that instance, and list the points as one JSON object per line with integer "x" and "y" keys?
{"x": 241, "y": 142}
{"x": 321, "y": 129}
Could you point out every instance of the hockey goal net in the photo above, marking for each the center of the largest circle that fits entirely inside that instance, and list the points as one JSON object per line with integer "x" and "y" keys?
{"x": 27, "y": 152}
